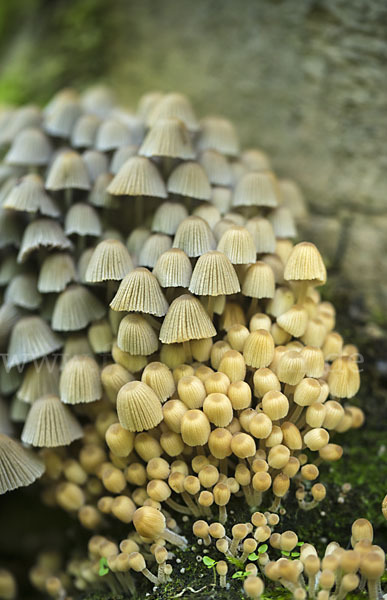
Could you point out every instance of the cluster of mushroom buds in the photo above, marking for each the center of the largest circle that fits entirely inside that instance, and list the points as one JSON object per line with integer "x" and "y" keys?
{"x": 299, "y": 568}
{"x": 152, "y": 286}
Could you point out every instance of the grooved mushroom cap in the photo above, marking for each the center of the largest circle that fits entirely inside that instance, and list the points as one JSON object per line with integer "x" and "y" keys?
{"x": 173, "y": 269}
{"x": 168, "y": 217}
{"x": 82, "y": 219}
{"x": 186, "y": 320}
{"x": 80, "y": 381}
{"x": 238, "y": 245}
{"x": 42, "y": 233}
{"x": 194, "y": 236}
{"x": 50, "y": 423}
{"x": 344, "y": 378}
{"x": 256, "y": 189}
{"x": 75, "y": 308}
{"x": 140, "y": 291}
{"x": 214, "y": 275}
{"x": 138, "y": 407}
{"x": 136, "y": 336}
{"x": 56, "y": 272}
{"x": 305, "y": 264}
{"x": 109, "y": 261}
{"x": 68, "y": 171}
{"x": 218, "y": 134}
{"x": 31, "y": 338}
{"x": 18, "y": 467}
{"x": 168, "y": 137}
{"x": 259, "y": 281}
{"x": 173, "y": 105}
{"x": 30, "y": 147}
{"x": 190, "y": 180}
{"x": 28, "y": 195}
{"x": 138, "y": 176}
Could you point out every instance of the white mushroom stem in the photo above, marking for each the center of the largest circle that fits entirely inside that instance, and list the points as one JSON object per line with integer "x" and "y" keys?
{"x": 174, "y": 538}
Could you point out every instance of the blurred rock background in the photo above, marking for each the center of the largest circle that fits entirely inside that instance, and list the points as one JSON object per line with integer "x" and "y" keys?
{"x": 305, "y": 80}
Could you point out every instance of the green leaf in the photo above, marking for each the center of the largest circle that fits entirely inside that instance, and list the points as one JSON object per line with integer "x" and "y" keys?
{"x": 235, "y": 561}
{"x": 285, "y": 553}
{"x": 209, "y": 562}
{"x": 300, "y": 543}
{"x": 239, "y": 575}
{"x": 253, "y": 556}
{"x": 295, "y": 554}
{"x": 263, "y": 548}
{"x": 103, "y": 567}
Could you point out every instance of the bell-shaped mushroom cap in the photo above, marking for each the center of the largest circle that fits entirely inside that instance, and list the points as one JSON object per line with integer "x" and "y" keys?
{"x": 283, "y": 223}
{"x": 42, "y": 233}
{"x": 160, "y": 379}
{"x": 259, "y": 281}
{"x": 221, "y": 198}
{"x": 305, "y": 264}
{"x": 28, "y": 194}
{"x": 263, "y": 234}
{"x": 29, "y": 148}
{"x": 168, "y": 138}
{"x": 173, "y": 269}
{"x": 39, "y": 380}
{"x": 256, "y": 189}
{"x": 173, "y": 105}
{"x": 214, "y": 275}
{"x": 84, "y": 132}
{"x": 194, "y": 237}
{"x": 64, "y": 95}
{"x": 217, "y": 168}
{"x": 147, "y": 103}
{"x": 110, "y": 261}
{"x": 140, "y": 292}
{"x": 60, "y": 120}
{"x": 344, "y": 378}
{"x": 186, "y": 320}
{"x": 11, "y": 229}
{"x": 209, "y": 213}
{"x": 96, "y": 164}
{"x": 111, "y": 134}
{"x": 98, "y": 100}
{"x": 238, "y": 245}
{"x": 218, "y": 134}
{"x": 18, "y": 467}
{"x": 138, "y": 407}
{"x": 22, "y": 118}
{"x": 68, "y": 171}
{"x": 31, "y": 338}
{"x": 138, "y": 176}
{"x": 82, "y": 219}
{"x": 136, "y": 336}
{"x": 152, "y": 249}
{"x": 190, "y": 180}
{"x": 22, "y": 291}
{"x": 56, "y": 272}
{"x": 255, "y": 160}
{"x": 120, "y": 156}
{"x": 168, "y": 217}
{"x": 80, "y": 381}
{"x": 149, "y": 522}
{"x": 258, "y": 350}
{"x": 75, "y": 308}
{"x": 50, "y": 424}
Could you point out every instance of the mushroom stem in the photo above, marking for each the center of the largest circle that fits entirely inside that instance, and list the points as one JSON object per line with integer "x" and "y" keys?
{"x": 222, "y": 581}
{"x": 184, "y": 510}
{"x": 307, "y": 505}
{"x": 150, "y": 576}
{"x": 190, "y": 503}
{"x": 174, "y": 538}
{"x": 302, "y": 291}
{"x": 68, "y": 195}
{"x": 138, "y": 209}
{"x": 276, "y": 504}
{"x": 222, "y": 514}
{"x": 187, "y": 350}
{"x": 296, "y": 413}
{"x": 211, "y": 306}
{"x": 253, "y": 307}
{"x": 374, "y": 592}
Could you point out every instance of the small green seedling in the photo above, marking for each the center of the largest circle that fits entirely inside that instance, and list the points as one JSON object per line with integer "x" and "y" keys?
{"x": 235, "y": 561}
{"x": 210, "y": 564}
{"x": 103, "y": 567}
{"x": 261, "y": 550}
{"x": 240, "y": 575}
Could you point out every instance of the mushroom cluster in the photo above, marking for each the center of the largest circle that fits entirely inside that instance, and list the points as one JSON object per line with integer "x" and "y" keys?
{"x": 165, "y": 348}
